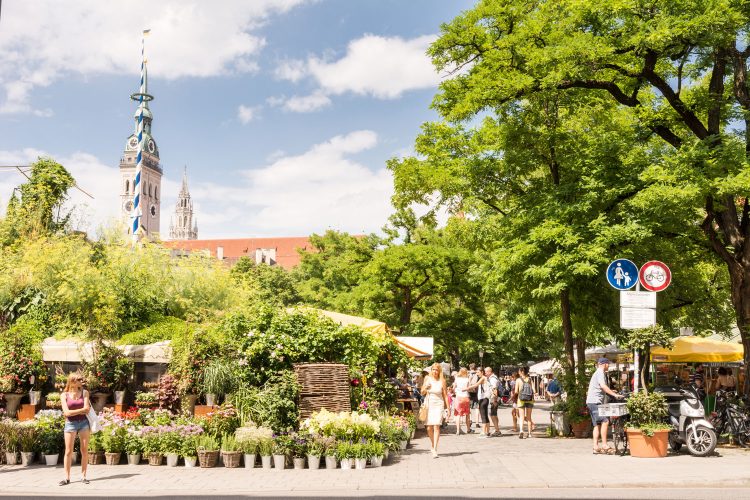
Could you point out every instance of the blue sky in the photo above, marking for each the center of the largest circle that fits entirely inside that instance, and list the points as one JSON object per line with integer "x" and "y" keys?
{"x": 284, "y": 111}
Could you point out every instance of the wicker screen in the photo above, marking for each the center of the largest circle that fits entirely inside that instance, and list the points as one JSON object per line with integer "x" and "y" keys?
{"x": 323, "y": 385}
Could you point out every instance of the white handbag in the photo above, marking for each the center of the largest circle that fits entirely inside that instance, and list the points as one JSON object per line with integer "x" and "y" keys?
{"x": 94, "y": 424}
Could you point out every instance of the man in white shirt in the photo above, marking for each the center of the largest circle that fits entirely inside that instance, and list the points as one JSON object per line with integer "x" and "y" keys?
{"x": 594, "y": 397}
{"x": 494, "y": 384}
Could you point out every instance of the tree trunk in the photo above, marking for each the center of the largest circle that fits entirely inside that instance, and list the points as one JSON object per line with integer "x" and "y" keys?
{"x": 581, "y": 352}
{"x": 567, "y": 326}
{"x": 740, "y": 280}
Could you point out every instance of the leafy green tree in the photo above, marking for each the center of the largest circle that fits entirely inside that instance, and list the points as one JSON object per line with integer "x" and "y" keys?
{"x": 267, "y": 283}
{"x": 38, "y": 209}
{"x": 680, "y": 66}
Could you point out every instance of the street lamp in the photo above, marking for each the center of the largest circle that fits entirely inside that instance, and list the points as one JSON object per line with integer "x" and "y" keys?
{"x": 481, "y": 358}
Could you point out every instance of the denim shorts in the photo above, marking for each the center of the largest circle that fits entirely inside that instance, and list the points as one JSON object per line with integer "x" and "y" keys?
{"x": 594, "y": 411}
{"x": 76, "y": 425}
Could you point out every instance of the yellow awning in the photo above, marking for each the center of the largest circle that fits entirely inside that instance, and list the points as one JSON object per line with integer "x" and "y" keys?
{"x": 698, "y": 350}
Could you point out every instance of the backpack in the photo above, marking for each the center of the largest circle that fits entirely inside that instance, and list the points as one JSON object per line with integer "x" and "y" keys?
{"x": 527, "y": 392}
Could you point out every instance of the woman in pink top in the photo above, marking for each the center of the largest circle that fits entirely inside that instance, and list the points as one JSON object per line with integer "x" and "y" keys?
{"x": 75, "y": 405}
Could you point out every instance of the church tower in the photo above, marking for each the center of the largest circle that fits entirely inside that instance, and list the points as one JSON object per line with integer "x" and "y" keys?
{"x": 148, "y": 211}
{"x": 182, "y": 226}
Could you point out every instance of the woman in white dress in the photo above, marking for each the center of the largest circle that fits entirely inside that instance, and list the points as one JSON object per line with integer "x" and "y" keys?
{"x": 436, "y": 399}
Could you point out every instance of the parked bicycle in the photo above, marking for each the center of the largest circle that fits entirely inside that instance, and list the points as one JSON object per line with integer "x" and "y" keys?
{"x": 732, "y": 417}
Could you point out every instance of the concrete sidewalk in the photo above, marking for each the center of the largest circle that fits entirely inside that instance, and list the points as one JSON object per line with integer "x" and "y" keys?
{"x": 468, "y": 467}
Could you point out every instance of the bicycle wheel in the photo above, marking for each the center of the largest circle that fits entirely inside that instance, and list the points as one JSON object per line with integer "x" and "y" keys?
{"x": 620, "y": 438}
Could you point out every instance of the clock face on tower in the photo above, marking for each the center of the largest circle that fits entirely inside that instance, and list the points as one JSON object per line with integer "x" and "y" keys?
{"x": 128, "y": 206}
{"x": 151, "y": 146}
{"x": 153, "y": 211}
{"x": 133, "y": 143}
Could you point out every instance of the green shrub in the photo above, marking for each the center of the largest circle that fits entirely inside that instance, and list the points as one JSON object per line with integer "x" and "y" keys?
{"x": 163, "y": 328}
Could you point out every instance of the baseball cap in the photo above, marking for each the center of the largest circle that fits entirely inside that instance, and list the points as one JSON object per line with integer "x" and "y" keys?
{"x": 603, "y": 361}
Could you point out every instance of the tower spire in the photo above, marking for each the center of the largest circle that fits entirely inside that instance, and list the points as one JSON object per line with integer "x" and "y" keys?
{"x": 184, "y": 226}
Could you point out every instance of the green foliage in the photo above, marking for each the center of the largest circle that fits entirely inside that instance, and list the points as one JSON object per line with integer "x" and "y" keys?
{"x": 647, "y": 412}
{"x": 651, "y": 336}
{"x": 192, "y": 349}
{"x": 161, "y": 328}
{"x": 50, "y": 433}
{"x": 21, "y": 364}
{"x": 219, "y": 377}
{"x": 107, "y": 369}
{"x": 274, "y": 405}
{"x": 229, "y": 443}
{"x": 36, "y": 212}
{"x": 133, "y": 443}
{"x": 268, "y": 284}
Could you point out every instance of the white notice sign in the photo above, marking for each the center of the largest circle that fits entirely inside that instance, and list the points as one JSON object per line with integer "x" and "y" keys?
{"x": 632, "y": 318}
{"x": 638, "y": 299}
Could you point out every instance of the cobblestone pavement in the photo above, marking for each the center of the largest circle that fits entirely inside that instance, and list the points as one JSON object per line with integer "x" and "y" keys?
{"x": 467, "y": 467}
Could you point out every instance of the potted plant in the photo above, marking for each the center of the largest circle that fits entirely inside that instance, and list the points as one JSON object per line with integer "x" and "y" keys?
{"x": 95, "y": 449}
{"x": 208, "y": 450}
{"x": 578, "y": 413}
{"x": 53, "y": 401}
{"x": 282, "y": 446}
{"x": 315, "y": 449}
{"x": 171, "y": 445}
{"x": 360, "y": 453}
{"x": 123, "y": 371}
{"x": 559, "y": 420}
{"x": 12, "y": 398}
{"x": 27, "y": 442}
{"x": 647, "y": 432}
{"x": 49, "y": 424}
{"x": 230, "y": 451}
{"x": 152, "y": 437}
{"x": 345, "y": 454}
{"x": 146, "y": 399}
{"x": 189, "y": 450}
{"x": 100, "y": 368}
{"x": 265, "y": 450}
{"x": 248, "y": 445}
{"x": 218, "y": 378}
{"x": 376, "y": 451}
{"x": 133, "y": 446}
{"x": 167, "y": 393}
{"x": 299, "y": 451}
{"x": 329, "y": 451}
{"x": 9, "y": 441}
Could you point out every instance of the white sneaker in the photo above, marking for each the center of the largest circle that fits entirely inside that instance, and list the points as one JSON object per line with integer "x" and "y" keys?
{"x": 482, "y": 435}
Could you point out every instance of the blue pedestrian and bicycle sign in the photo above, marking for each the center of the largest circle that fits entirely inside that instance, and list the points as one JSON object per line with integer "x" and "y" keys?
{"x": 622, "y": 274}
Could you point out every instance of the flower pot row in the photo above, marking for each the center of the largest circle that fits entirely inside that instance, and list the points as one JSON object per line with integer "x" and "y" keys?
{"x": 207, "y": 459}
{"x": 27, "y": 458}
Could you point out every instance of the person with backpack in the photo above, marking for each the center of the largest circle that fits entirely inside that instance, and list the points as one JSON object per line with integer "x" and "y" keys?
{"x": 554, "y": 391}
{"x": 525, "y": 399}
{"x": 472, "y": 386}
{"x": 485, "y": 392}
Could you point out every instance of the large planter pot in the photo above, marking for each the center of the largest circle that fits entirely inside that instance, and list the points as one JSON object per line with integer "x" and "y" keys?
{"x": 231, "y": 459}
{"x": 11, "y": 458}
{"x": 51, "y": 459}
{"x": 208, "y": 458}
{"x": 119, "y": 397}
{"x": 360, "y": 463}
{"x": 155, "y": 459}
{"x": 249, "y": 460}
{"x": 188, "y": 402}
{"x": 112, "y": 458}
{"x": 313, "y": 462}
{"x": 299, "y": 463}
{"x": 134, "y": 459}
{"x": 581, "y": 429}
{"x": 346, "y": 463}
{"x": 376, "y": 461}
{"x": 643, "y": 446}
{"x": 96, "y": 458}
{"x": 172, "y": 459}
{"x": 330, "y": 462}
{"x": 190, "y": 462}
{"x": 560, "y": 423}
{"x": 211, "y": 399}
{"x": 12, "y": 402}
{"x": 27, "y": 458}
{"x": 35, "y": 397}
{"x": 99, "y": 400}
{"x": 265, "y": 461}
{"x": 386, "y": 454}
{"x": 279, "y": 461}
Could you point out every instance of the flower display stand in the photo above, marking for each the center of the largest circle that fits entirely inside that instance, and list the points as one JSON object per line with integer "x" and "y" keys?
{"x": 27, "y": 412}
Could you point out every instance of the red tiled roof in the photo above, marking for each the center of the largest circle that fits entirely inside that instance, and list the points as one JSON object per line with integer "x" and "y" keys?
{"x": 286, "y": 248}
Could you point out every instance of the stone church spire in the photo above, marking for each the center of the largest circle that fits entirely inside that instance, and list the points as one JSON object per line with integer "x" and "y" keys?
{"x": 183, "y": 227}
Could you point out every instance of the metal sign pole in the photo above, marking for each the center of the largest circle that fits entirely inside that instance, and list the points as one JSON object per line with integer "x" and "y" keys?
{"x": 636, "y": 357}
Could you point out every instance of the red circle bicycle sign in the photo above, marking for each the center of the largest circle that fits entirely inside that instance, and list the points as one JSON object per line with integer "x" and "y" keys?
{"x": 655, "y": 276}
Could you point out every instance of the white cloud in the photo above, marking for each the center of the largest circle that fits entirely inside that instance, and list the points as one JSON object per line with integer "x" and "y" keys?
{"x": 245, "y": 114}
{"x": 189, "y": 38}
{"x": 295, "y": 195}
{"x": 291, "y": 69}
{"x": 305, "y": 104}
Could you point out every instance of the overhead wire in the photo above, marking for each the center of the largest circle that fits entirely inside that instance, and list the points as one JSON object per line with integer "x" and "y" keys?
{"x": 20, "y": 168}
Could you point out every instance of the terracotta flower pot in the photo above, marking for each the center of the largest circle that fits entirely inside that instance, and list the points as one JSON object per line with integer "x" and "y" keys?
{"x": 581, "y": 429}
{"x": 643, "y": 446}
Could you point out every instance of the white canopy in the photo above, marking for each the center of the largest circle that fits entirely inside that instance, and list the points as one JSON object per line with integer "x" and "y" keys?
{"x": 544, "y": 367}
{"x": 70, "y": 351}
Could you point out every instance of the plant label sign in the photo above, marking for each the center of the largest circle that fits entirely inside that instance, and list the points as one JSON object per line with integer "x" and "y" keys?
{"x": 633, "y": 318}
{"x": 631, "y": 298}
{"x": 622, "y": 274}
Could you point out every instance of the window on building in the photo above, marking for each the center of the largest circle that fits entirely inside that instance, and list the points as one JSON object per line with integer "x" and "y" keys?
{"x": 265, "y": 256}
